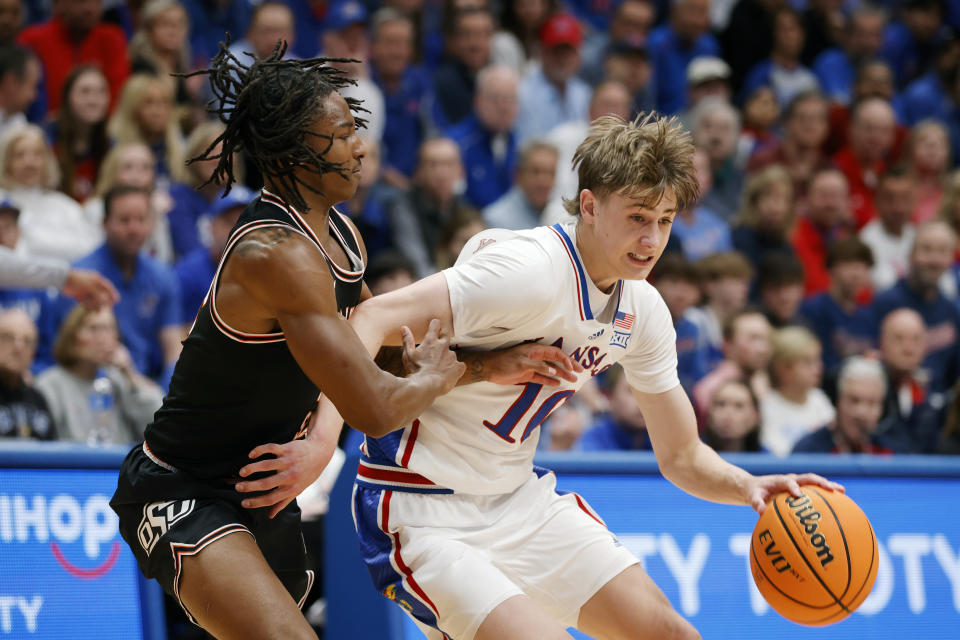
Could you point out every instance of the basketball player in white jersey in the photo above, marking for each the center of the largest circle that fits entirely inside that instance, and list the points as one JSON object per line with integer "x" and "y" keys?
{"x": 456, "y": 524}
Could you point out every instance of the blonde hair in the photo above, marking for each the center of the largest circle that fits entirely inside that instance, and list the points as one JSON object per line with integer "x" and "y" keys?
{"x": 13, "y": 135}
{"x": 107, "y": 177}
{"x": 140, "y": 45}
{"x": 123, "y": 125}
{"x": 792, "y": 343}
{"x": 638, "y": 159}
{"x": 757, "y": 185}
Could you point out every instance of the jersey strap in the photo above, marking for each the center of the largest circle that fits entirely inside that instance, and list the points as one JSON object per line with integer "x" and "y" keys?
{"x": 580, "y": 276}
{"x": 355, "y": 273}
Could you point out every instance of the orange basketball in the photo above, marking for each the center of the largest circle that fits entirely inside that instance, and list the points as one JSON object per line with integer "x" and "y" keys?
{"x": 814, "y": 558}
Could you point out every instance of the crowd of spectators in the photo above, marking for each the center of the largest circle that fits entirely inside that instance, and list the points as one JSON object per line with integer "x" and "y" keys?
{"x": 814, "y": 287}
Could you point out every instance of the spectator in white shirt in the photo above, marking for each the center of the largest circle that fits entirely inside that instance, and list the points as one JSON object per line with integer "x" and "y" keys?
{"x": 890, "y": 235}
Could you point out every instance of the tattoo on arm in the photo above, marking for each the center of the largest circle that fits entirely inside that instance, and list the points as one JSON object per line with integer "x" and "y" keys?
{"x": 476, "y": 371}
{"x": 390, "y": 359}
{"x": 269, "y": 237}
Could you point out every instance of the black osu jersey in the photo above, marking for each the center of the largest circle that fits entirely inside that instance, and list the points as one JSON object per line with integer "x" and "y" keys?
{"x": 232, "y": 391}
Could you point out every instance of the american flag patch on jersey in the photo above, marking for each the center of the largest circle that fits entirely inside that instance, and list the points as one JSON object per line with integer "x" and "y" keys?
{"x": 623, "y": 321}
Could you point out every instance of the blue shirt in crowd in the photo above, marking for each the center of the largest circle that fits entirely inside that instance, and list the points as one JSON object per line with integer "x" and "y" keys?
{"x": 488, "y": 176}
{"x": 149, "y": 302}
{"x": 942, "y": 319}
{"x": 194, "y": 273}
{"x": 671, "y": 55}
{"x": 189, "y": 205}
{"x": 607, "y": 435}
{"x": 708, "y": 233}
{"x": 836, "y": 74}
{"x": 405, "y": 126}
{"x": 511, "y": 211}
{"x": 692, "y": 354}
{"x": 841, "y": 334}
{"x": 40, "y": 305}
{"x": 543, "y": 106}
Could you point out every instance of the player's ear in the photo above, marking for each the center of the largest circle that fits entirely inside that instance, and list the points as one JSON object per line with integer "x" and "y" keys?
{"x": 588, "y": 204}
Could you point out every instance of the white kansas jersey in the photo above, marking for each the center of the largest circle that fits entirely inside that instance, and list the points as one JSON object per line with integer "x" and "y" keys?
{"x": 509, "y": 288}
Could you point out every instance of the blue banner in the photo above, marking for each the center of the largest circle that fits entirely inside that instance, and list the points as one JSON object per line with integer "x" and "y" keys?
{"x": 65, "y": 572}
{"x": 696, "y": 552}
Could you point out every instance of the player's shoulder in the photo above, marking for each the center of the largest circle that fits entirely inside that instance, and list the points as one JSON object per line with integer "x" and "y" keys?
{"x": 529, "y": 247}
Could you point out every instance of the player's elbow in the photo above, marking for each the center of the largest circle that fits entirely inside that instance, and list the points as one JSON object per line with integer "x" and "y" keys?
{"x": 375, "y": 419}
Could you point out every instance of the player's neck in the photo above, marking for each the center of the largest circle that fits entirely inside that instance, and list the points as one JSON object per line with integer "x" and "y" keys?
{"x": 602, "y": 276}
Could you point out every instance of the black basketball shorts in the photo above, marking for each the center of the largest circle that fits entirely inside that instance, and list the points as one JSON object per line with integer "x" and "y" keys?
{"x": 167, "y": 515}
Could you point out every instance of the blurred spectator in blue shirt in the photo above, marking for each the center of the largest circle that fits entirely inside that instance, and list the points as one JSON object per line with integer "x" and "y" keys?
{"x": 632, "y": 22}
{"x": 910, "y": 44}
{"x": 766, "y": 215}
{"x": 911, "y": 413}
{"x": 192, "y": 200}
{"x": 270, "y": 22}
{"x": 701, "y": 232}
{"x": 836, "y": 67}
{"x": 622, "y": 428}
{"x": 629, "y": 64}
{"x": 932, "y": 255}
{"x": 369, "y": 208}
{"x": 148, "y": 314}
{"x": 860, "y": 391}
{"x": 469, "y": 40}
{"x": 780, "y": 288}
{"x": 678, "y": 282}
{"x": 522, "y": 207}
{"x": 406, "y": 93}
{"x": 487, "y": 138}
{"x": 195, "y": 270}
{"x": 210, "y": 20}
{"x": 715, "y": 125}
{"x": 841, "y": 323}
{"x": 674, "y": 45}
{"x": 552, "y": 94}
{"x": 783, "y": 71}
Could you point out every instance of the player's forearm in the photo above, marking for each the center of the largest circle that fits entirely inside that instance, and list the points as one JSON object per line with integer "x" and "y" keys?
{"x": 699, "y": 471}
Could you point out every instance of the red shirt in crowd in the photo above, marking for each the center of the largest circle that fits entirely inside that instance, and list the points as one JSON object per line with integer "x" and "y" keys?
{"x": 105, "y": 46}
{"x": 862, "y": 182}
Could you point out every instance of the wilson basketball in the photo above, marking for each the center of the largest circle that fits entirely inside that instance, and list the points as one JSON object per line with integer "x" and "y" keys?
{"x": 814, "y": 558}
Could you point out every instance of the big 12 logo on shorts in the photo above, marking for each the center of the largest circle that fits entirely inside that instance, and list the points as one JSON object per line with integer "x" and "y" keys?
{"x": 157, "y": 519}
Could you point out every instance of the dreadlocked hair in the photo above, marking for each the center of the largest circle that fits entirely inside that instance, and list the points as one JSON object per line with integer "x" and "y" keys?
{"x": 269, "y": 107}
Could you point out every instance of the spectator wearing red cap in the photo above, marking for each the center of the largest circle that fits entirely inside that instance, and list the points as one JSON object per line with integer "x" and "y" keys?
{"x": 75, "y": 35}
{"x": 552, "y": 93}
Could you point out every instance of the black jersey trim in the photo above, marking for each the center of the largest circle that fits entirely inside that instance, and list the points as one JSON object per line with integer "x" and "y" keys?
{"x": 340, "y": 273}
{"x": 221, "y": 324}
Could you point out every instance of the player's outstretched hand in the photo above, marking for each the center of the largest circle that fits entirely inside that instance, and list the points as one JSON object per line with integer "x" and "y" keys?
{"x": 90, "y": 289}
{"x": 294, "y": 467}
{"x": 765, "y": 487}
{"x": 433, "y": 356}
{"x": 529, "y": 362}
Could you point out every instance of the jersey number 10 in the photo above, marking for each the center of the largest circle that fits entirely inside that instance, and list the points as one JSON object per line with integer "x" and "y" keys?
{"x": 508, "y": 423}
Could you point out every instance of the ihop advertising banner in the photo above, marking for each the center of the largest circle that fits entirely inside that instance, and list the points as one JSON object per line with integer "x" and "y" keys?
{"x": 64, "y": 570}
{"x": 697, "y": 553}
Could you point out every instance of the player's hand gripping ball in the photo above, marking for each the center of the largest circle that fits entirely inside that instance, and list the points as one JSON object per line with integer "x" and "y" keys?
{"x": 813, "y": 558}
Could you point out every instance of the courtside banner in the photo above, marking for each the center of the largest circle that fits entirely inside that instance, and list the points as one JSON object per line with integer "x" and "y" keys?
{"x": 65, "y": 572}
{"x": 697, "y": 551}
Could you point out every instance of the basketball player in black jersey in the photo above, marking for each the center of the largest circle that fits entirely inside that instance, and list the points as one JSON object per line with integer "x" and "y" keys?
{"x": 268, "y": 338}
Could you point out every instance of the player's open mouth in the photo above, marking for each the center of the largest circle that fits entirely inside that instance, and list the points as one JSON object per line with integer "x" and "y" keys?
{"x": 640, "y": 259}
